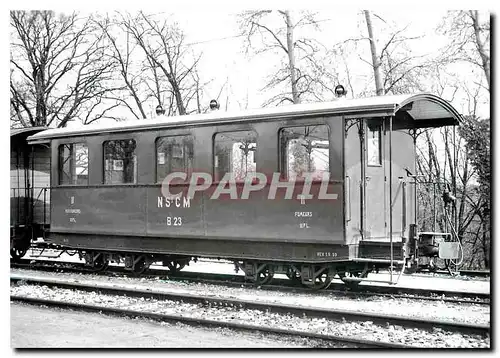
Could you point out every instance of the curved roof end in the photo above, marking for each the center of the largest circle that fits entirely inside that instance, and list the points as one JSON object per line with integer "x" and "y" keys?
{"x": 428, "y": 110}
{"x": 23, "y": 133}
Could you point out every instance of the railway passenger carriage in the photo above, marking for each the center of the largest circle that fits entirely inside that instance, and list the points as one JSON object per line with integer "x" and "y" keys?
{"x": 29, "y": 190}
{"x": 309, "y": 190}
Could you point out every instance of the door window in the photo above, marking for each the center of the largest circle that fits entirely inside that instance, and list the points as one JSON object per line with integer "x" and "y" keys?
{"x": 374, "y": 143}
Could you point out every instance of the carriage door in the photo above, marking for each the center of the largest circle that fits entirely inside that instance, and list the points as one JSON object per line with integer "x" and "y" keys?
{"x": 374, "y": 179}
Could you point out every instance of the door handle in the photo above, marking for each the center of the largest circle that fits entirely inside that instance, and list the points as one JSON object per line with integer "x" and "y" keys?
{"x": 368, "y": 178}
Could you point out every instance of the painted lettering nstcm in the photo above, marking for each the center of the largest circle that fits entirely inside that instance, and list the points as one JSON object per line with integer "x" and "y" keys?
{"x": 178, "y": 202}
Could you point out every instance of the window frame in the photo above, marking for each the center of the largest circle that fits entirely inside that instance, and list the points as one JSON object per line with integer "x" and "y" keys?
{"x": 215, "y": 178}
{"x": 60, "y": 168}
{"x": 136, "y": 164}
{"x": 190, "y": 170}
{"x": 380, "y": 125}
{"x": 282, "y": 161}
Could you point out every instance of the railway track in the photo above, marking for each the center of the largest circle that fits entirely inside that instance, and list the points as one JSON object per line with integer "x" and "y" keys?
{"x": 267, "y": 307}
{"x": 352, "y": 342}
{"x": 161, "y": 317}
{"x": 278, "y": 284}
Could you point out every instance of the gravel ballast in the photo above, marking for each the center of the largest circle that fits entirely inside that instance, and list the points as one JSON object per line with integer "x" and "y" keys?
{"x": 360, "y": 330}
{"x": 405, "y": 307}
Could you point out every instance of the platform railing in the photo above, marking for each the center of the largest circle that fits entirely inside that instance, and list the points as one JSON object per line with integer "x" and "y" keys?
{"x": 433, "y": 191}
{"x": 43, "y": 192}
{"x": 26, "y": 195}
{"x": 15, "y": 212}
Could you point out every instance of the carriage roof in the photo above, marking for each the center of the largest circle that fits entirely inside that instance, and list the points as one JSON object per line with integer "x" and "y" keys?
{"x": 430, "y": 110}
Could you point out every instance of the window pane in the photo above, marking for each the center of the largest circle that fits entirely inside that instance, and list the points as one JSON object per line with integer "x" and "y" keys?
{"x": 174, "y": 154}
{"x": 305, "y": 150}
{"x": 235, "y": 154}
{"x": 120, "y": 164}
{"x": 374, "y": 135}
{"x": 73, "y": 164}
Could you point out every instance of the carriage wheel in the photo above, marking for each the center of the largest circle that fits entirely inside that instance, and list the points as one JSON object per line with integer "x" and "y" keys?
{"x": 351, "y": 285}
{"x": 264, "y": 276}
{"x": 175, "y": 266}
{"x": 294, "y": 276}
{"x": 17, "y": 254}
{"x": 21, "y": 244}
{"x": 141, "y": 266}
{"x": 317, "y": 277}
{"x": 100, "y": 263}
{"x": 321, "y": 281}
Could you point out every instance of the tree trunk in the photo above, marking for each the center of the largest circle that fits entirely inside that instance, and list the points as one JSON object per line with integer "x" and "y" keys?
{"x": 375, "y": 59}
{"x": 480, "y": 48}
{"x": 291, "y": 57}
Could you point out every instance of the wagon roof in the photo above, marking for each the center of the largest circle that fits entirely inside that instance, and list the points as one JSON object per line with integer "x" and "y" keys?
{"x": 428, "y": 108}
{"x": 27, "y": 130}
{"x": 19, "y": 135}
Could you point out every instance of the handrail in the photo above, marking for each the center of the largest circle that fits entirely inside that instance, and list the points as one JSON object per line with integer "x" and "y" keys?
{"x": 44, "y": 206}
{"x": 34, "y": 187}
{"x": 437, "y": 212}
{"x": 348, "y": 198}
{"x": 390, "y": 195}
{"x": 39, "y": 193}
{"x": 403, "y": 212}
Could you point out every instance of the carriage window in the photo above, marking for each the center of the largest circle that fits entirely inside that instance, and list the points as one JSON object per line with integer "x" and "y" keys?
{"x": 120, "y": 163}
{"x": 304, "y": 150}
{"x": 174, "y": 154}
{"x": 374, "y": 147}
{"x": 234, "y": 152}
{"x": 73, "y": 164}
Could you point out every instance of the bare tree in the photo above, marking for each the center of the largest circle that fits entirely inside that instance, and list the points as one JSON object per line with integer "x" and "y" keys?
{"x": 469, "y": 35}
{"x": 455, "y": 173}
{"x": 123, "y": 55}
{"x": 301, "y": 72}
{"x": 476, "y": 134}
{"x": 470, "y": 40}
{"x": 395, "y": 68}
{"x": 376, "y": 63}
{"x": 163, "y": 44}
{"x": 291, "y": 55}
{"x": 458, "y": 160}
{"x": 145, "y": 82}
{"x": 59, "y": 71}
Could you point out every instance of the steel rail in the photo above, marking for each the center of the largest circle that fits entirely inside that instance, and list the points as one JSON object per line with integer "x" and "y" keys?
{"x": 299, "y": 311}
{"x": 335, "y": 288}
{"x": 468, "y": 273}
{"x": 278, "y": 284}
{"x": 206, "y": 322}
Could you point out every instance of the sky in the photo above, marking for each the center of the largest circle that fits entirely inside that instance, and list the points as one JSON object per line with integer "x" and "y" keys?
{"x": 213, "y": 32}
